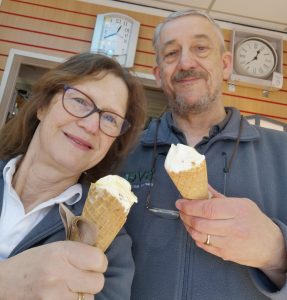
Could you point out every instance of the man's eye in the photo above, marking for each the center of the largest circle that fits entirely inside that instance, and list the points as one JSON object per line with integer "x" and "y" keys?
{"x": 201, "y": 50}
{"x": 170, "y": 53}
{"x": 170, "y": 56}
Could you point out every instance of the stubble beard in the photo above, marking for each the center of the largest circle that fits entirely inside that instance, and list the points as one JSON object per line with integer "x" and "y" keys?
{"x": 181, "y": 107}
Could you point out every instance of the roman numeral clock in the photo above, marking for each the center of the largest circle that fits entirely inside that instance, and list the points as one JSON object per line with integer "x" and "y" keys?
{"x": 255, "y": 57}
{"x": 116, "y": 35}
{"x": 257, "y": 60}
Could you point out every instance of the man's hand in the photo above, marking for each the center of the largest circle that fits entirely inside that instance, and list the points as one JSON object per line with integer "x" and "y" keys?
{"x": 55, "y": 271}
{"x": 239, "y": 231}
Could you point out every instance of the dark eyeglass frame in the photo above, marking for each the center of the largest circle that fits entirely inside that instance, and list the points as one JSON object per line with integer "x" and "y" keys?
{"x": 125, "y": 125}
{"x": 159, "y": 212}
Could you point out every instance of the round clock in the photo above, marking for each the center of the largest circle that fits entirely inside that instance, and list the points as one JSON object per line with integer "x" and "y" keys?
{"x": 255, "y": 57}
{"x": 116, "y": 35}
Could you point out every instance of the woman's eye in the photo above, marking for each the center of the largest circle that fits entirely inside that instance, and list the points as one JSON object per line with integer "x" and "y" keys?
{"x": 80, "y": 101}
{"x": 110, "y": 118}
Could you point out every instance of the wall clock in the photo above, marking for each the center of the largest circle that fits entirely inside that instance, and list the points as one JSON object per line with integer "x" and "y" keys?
{"x": 116, "y": 35}
{"x": 255, "y": 57}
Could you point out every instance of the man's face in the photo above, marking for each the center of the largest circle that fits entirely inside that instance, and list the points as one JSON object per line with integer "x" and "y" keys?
{"x": 191, "y": 64}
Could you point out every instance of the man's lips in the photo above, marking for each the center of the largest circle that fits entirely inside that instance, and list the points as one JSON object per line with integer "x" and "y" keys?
{"x": 188, "y": 79}
{"x": 78, "y": 141}
{"x": 189, "y": 76}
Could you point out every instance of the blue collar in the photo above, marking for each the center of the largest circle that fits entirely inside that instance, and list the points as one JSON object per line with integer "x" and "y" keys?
{"x": 168, "y": 134}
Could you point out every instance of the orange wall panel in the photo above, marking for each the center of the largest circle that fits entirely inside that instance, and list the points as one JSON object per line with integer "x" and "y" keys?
{"x": 62, "y": 28}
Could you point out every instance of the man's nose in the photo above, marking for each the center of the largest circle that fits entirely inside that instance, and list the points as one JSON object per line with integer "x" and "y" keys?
{"x": 188, "y": 60}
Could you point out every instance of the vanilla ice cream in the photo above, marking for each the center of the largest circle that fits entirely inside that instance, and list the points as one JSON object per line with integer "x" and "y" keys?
{"x": 120, "y": 188}
{"x": 182, "y": 158}
{"x": 187, "y": 169}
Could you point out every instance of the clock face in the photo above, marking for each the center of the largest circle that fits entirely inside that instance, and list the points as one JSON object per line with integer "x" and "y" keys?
{"x": 115, "y": 36}
{"x": 255, "y": 57}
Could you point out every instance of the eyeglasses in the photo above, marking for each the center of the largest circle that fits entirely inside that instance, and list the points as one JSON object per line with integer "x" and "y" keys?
{"x": 159, "y": 212}
{"x": 173, "y": 214}
{"x": 80, "y": 105}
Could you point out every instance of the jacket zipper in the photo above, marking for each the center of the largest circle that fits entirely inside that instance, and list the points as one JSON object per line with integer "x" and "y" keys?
{"x": 186, "y": 268}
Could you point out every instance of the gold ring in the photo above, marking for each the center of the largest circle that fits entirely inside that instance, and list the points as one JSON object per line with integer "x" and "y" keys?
{"x": 207, "y": 242}
{"x": 81, "y": 296}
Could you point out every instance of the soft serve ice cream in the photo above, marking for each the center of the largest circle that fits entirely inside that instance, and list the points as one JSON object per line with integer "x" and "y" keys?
{"x": 120, "y": 188}
{"x": 187, "y": 169}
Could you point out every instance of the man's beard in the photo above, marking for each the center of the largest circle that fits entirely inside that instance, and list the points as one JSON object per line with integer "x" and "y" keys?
{"x": 181, "y": 107}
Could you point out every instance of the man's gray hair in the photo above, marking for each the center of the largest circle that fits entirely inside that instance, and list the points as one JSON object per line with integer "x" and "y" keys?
{"x": 183, "y": 13}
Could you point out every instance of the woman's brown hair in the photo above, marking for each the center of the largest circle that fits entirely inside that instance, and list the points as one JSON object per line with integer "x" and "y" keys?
{"x": 17, "y": 134}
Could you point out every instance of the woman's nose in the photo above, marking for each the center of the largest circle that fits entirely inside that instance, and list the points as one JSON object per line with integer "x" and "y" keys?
{"x": 91, "y": 123}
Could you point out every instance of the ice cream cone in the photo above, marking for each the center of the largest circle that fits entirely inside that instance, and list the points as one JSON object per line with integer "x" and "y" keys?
{"x": 187, "y": 169}
{"x": 107, "y": 206}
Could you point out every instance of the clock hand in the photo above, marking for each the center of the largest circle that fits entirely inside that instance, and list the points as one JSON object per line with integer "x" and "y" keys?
{"x": 114, "y": 33}
{"x": 254, "y": 58}
{"x": 119, "y": 28}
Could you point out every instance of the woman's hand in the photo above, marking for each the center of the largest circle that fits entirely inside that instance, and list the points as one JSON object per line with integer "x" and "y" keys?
{"x": 58, "y": 270}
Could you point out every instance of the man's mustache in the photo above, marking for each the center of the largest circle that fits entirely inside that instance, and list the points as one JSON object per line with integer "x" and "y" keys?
{"x": 189, "y": 73}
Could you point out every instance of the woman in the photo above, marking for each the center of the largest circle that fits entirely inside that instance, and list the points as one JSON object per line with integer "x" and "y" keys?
{"x": 82, "y": 119}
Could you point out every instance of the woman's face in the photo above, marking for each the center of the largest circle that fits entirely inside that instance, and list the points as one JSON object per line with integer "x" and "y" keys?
{"x": 72, "y": 144}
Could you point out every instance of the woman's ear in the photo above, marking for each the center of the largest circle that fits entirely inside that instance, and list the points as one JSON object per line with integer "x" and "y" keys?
{"x": 41, "y": 112}
{"x": 227, "y": 64}
{"x": 156, "y": 73}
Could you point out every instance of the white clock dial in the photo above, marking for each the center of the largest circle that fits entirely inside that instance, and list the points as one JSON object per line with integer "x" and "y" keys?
{"x": 255, "y": 57}
{"x": 116, "y": 35}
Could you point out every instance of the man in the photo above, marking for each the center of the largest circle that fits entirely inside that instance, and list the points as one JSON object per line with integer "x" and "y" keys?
{"x": 233, "y": 245}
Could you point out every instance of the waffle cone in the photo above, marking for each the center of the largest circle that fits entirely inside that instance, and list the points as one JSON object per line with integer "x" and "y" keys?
{"x": 192, "y": 183}
{"x": 104, "y": 210}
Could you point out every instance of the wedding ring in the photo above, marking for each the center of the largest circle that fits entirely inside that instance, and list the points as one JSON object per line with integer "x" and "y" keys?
{"x": 207, "y": 242}
{"x": 81, "y": 296}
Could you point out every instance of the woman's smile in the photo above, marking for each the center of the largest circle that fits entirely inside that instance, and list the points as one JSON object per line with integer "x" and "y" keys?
{"x": 78, "y": 142}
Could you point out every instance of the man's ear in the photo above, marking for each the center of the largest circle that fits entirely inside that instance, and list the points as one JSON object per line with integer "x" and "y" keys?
{"x": 227, "y": 64}
{"x": 156, "y": 73}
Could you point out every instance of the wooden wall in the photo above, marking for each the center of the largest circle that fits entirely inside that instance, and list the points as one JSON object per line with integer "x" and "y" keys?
{"x": 64, "y": 28}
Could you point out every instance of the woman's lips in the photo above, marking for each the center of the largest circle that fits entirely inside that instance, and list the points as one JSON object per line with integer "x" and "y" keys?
{"x": 82, "y": 144}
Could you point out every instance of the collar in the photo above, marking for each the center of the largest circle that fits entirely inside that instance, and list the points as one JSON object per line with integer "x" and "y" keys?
{"x": 50, "y": 224}
{"x": 229, "y": 130}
